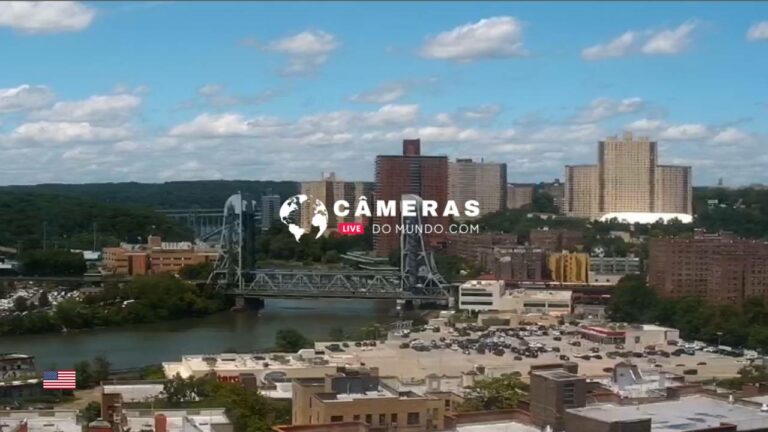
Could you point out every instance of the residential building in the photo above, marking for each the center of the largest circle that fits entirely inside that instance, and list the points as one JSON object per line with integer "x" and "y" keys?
{"x": 519, "y": 195}
{"x": 515, "y": 263}
{"x": 481, "y": 181}
{"x": 552, "y": 393}
{"x": 570, "y": 267}
{"x": 469, "y": 246}
{"x": 270, "y": 210}
{"x": 154, "y": 257}
{"x": 556, "y": 189}
{"x": 361, "y": 396}
{"x": 410, "y": 174}
{"x": 18, "y": 377}
{"x": 172, "y": 420}
{"x": 556, "y": 239}
{"x": 719, "y": 268}
{"x": 627, "y": 180}
{"x": 329, "y": 190}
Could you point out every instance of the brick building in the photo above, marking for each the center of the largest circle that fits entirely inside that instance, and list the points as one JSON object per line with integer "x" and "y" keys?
{"x": 410, "y": 173}
{"x": 156, "y": 256}
{"x": 556, "y": 239}
{"x": 517, "y": 263}
{"x": 718, "y": 268}
{"x": 469, "y": 246}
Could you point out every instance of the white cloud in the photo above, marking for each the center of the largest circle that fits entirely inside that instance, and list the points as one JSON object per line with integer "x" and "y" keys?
{"x": 645, "y": 125}
{"x": 224, "y": 125}
{"x": 603, "y": 108}
{"x": 670, "y": 42}
{"x": 98, "y": 109}
{"x": 306, "y": 51}
{"x": 758, "y": 31}
{"x": 385, "y": 93}
{"x": 618, "y": 47}
{"x": 731, "y": 135}
{"x": 24, "y": 97}
{"x": 495, "y": 37}
{"x": 217, "y": 96}
{"x": 482, "y": 112}
{"x": 648, "y": 42}
{"x": 687, "y": 131}
{"x": 38, "y": 17}
{"x": 44, "y": 132}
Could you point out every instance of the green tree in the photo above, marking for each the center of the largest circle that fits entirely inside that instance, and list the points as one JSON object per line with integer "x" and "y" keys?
{"x": 43, "y": 301}
{"x": 101, "y": 368}
{"x": 54, "y": 262}
{"x": 290, "y": 341}
{"x": 199, "y": 271}
{"x": 497, "y": 393}
{"x": 91, "y": 412}
{"x": 632, "y": 300}
{"x": 83, "y": 374}
{"x": 20, "y": 304}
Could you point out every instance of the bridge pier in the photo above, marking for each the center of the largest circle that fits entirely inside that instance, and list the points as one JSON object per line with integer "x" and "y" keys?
{"x": 248, "y": 303}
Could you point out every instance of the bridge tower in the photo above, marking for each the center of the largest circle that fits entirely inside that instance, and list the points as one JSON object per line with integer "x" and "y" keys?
{"x": 418, "y": 271}
{"x": 237, "y": 245}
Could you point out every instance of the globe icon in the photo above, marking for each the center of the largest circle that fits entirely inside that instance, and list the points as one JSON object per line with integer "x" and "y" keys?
{"x": 289, "y": 215}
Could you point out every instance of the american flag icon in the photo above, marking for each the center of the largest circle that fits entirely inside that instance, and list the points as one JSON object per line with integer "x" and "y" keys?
{"x": 59, "y": 380}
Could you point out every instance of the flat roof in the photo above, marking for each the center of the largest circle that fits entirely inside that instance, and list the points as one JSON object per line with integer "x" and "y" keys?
{"x": 503, "y": 426}
{"x": 686, "y": 414}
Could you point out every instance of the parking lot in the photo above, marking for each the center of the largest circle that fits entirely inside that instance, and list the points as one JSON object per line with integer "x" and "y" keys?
{"x": 418, "y": 354}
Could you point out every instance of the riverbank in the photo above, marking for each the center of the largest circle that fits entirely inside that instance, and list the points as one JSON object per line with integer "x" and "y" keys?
{"x": 142, "y": 344}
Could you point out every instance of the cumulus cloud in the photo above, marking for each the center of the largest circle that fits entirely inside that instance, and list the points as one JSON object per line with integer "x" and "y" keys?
{"x": 603, "y": 108}
{"x": 618, "y": 47}
{"x": 686, "y": 131}
{"x": 306, "y": 51}
{"x": 44, "y": 132}
{"x": 731, "y": 135}
{"x": 672, "y": 41}
{"x": 758, "y": 32}
{"x": 496, "y": 37}
{"x": 98, "y": 109}
{"x": 648, "y": 42}
{"x": 224, "y": 125}
{"x": 24, "y": 97}
{"x": 45, "y": 17}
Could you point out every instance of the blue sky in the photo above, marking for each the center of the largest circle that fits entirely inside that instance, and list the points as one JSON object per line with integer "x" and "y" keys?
{"x": 160, "y": 91}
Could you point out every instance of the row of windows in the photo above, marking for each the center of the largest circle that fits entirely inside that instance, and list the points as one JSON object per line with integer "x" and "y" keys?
{"x": 413, "y": 418}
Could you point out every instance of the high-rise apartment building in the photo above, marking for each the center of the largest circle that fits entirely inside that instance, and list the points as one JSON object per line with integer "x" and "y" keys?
{"x": 481, "y": 181}
{"x": 718, "y": 268}
{"x": 519, "y": 195}
{"x": 556, "y": 189}
{"x": 328, "y": 190}
{"x": 410, "y": 174}
{"x": 627, "y": 179}
{"x": 270, "y": 210}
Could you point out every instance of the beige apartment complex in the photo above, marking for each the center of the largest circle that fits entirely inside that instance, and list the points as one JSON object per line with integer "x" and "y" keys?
{"x": 329, "y": 190}
{"x": 481, "y": 181}
{"x": 627, "y": 179}
{"x": 362, "y": 396}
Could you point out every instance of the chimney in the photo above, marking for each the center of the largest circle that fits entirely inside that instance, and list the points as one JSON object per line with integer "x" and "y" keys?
{"x": 161, "y": 423}
{"x": 412, "y": 147}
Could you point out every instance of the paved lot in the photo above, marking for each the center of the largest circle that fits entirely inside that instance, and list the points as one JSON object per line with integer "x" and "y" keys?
{"x": 408, "y": 363}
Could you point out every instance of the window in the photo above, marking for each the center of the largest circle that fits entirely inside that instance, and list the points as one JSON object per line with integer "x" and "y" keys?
{"x": 413, "y": 418}
{"x": 393, "y": 418}
{"x": 447, "y": 403}
{"x": 337, "y": 419}
{"x": 356, "y": 417}
{"x": 368, "y": 418}
{"x": 382, "y": 419}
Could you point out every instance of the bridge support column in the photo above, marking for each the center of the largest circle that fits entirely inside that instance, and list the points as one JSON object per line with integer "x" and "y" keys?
{"x": 248, "y": 303}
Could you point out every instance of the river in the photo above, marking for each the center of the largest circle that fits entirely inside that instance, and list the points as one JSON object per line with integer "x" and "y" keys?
{"x": 139, "y": 345}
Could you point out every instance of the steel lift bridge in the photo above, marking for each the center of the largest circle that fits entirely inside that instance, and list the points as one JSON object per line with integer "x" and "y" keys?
{"x": 235, "y": 272}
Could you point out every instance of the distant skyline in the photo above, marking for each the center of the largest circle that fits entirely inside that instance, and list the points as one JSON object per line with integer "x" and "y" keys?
{"x": 161, "y": 91}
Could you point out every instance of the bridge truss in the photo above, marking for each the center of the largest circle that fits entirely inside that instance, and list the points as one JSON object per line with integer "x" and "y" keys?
{"x": 235, "y": 272}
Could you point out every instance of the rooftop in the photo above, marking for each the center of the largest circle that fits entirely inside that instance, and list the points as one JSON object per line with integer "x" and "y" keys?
{"x": 686, "y": 414}
{"x": 177, "y": 420}
{"x": 503, "y": 426}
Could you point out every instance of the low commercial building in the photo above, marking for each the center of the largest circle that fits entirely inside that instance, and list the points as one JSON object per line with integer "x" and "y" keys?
{"x": 174, "y": 420}
{"x": 609, "y": 270}
{"x": 39, "y": 421}
{"x": 156, "y": 256}
{"x": 264, "y": 368}
{"x": 481, "y": 295}
{"x": 361, "y": 396}
{"x": 634, "y": 337}
{"x": 695, "y": 413}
